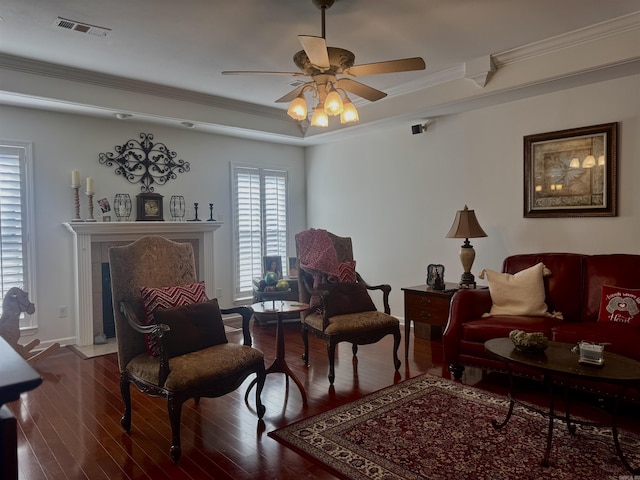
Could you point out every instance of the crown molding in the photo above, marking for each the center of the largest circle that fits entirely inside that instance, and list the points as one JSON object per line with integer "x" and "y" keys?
{"x": 52, "y": 70}
{"x": 575, "y": 38}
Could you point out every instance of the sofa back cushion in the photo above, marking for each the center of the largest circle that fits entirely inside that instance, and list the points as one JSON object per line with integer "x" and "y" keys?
{"x": 563, "y": 288}
{"x": 619, "y": 269}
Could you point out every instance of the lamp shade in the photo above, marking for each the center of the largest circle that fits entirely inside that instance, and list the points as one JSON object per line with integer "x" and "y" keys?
{"x": 466, "y": 225}
{"x": 298, "y": 108}
{"x": 333, "y": 103}
{"x": 319, "y": 117}
{"x": 349, "y": 113}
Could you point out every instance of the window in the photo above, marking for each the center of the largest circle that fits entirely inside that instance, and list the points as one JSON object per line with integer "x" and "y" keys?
{"x": 260, "y": 222}
{"x": 15, "y": 221}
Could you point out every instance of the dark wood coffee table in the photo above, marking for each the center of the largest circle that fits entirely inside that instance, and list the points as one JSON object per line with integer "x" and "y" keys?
{"x": 558, "y": 364}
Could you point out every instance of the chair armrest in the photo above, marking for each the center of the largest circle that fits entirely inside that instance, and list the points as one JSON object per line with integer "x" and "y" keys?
{"x": 159, "y": 329}
{"x": 386, "y": 290}
{"x": 465, "y": 305}
{"x": 246, "y": 313}
{"x": 134, "y": 322}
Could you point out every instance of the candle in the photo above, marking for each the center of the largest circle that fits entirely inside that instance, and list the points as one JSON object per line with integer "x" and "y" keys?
{"x": 90, "y": 185}
{"x": 75, "y": 178}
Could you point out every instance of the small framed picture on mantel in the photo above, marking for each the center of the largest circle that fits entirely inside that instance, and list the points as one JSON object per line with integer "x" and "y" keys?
{"x": 150, "y": 207}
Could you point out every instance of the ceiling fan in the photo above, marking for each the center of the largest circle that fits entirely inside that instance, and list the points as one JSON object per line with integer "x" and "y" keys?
{"x": 331, "y": 69}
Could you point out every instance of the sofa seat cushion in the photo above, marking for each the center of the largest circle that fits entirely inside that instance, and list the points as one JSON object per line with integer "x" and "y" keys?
{"x": 487, "y": 328}
{"x": 196, "y": 368}
{"x": 352, "y": 322}
{"x": 623, "y": 338}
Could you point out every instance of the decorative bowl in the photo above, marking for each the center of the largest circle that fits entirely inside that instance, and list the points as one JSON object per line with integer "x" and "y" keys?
{"x": 529, "y": 342}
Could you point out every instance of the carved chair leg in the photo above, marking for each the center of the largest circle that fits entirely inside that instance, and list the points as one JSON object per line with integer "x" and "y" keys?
{"x": 305, "y": 341}
{"x": 261, "y": 376}
{"x": 125, "y": 391}
{"x": 331, "y": 350}
{"x": 396, "y": 345}
{"x": 175, "y": 410}
{"x": 354, "y": 349}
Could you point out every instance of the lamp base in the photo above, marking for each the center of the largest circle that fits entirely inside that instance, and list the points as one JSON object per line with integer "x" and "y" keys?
{"x": 467, "y": 280}
{"x": 467, "y": 256}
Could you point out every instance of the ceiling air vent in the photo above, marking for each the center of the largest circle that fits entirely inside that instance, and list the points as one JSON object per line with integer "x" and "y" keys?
{"x": 66, "y": 24}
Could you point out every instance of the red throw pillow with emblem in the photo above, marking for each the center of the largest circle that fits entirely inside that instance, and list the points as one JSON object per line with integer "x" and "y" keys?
{"x": 169, "y": 297}
{"x": 620, "y": 305}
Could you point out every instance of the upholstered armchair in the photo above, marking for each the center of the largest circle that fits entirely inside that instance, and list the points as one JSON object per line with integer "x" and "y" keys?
{"x": 184, "y": 352}
{"x": 341, "y": 308}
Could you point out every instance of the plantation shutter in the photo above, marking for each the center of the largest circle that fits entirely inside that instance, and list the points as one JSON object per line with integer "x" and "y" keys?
{"x": 12, "y": 258}
{"x": 260, "y": 211}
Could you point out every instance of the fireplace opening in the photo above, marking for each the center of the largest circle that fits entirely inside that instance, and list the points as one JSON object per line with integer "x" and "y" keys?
{"x": 108, "y": 320}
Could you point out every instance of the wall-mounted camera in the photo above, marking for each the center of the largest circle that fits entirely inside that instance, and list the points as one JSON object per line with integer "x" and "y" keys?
{"x": 419, "y": 128}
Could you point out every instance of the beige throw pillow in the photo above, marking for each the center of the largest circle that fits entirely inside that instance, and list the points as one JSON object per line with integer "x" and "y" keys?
{"x": 518, "y": 294}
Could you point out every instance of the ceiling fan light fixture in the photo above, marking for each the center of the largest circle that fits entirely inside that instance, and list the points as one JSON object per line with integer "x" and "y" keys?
{"x": 349, "y": 113}
{"x": 319, "y": 117}
{"x": 298, "y": 108}
{"x": 333, "y": 102}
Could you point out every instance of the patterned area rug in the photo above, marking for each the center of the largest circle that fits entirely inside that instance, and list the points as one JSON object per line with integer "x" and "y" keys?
{"x": 430, "y": 428}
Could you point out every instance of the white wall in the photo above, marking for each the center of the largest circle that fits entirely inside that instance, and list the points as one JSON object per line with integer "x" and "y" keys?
{"x": 62, "y": 142}
{"x": 396, "y": 194}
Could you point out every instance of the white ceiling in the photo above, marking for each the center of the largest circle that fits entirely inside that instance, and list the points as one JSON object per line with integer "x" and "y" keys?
{"x": 187, "y": 44}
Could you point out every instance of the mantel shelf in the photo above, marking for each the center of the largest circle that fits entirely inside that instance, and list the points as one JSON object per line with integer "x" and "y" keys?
{"x": 148, "y": 228}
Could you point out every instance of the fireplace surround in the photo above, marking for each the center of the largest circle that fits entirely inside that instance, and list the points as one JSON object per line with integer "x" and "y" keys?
{"x": 92, "y": 239}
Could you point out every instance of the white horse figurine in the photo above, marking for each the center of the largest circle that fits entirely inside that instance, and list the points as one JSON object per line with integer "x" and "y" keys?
{"x": 15, "y": 302}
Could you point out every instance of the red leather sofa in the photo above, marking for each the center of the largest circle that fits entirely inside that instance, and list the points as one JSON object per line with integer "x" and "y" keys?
{"x": 573, "y": 288}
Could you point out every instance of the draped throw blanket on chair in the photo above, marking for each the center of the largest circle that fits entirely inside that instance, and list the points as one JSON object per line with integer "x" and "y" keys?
{"x": 341, "y": 308}
{"x": 317, "y": 253}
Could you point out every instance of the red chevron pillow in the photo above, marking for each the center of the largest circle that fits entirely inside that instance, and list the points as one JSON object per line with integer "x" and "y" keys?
{"x": 347, "y": 272}
{"x": 169, "y": 297}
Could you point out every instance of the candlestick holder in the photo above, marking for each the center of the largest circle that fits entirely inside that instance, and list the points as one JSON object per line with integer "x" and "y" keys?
{"x": 90, "y": 197}
{"x": 211, "y": 219}
{"x": 195, "y": 208}
{"x": 76, "y": 203}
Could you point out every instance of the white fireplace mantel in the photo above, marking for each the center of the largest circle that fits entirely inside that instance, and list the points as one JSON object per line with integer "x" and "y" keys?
{"x": 86, "y": 233}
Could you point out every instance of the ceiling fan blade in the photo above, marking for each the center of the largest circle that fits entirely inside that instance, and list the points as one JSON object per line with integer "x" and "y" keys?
{"x": 392, "y": 66}
{"x": 258, "y": 72}
{"x": 316, "y": 50}
{"x": 291, "y": 95}
{"x": 360, "y": 89}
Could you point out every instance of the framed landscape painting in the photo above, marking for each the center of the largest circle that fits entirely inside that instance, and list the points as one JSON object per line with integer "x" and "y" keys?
{"x": 571, "y": 173}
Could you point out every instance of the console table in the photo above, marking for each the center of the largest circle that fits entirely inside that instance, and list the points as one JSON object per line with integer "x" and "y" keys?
{"x": 426, "y": 307}
{"x": 16, "y": 376}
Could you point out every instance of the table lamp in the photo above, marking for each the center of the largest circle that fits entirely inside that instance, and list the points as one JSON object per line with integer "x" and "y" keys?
{"x": 466, "y": 226}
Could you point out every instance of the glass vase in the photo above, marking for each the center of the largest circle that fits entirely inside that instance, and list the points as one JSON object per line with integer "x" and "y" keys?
{"x": 122, "y": 206}
{"x": 177, "y": 208}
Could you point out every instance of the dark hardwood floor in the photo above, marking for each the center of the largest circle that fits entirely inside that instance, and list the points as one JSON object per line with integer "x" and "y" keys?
{"x": 69, "y": 427}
